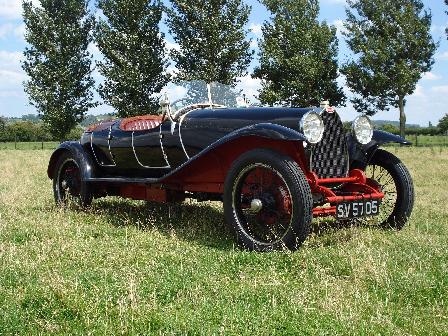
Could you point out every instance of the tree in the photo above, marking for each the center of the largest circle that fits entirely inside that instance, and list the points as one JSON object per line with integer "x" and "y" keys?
{"x": 393, "y": 47}
{"x": 135, "y": 62}
{"x": 58, "y": 63}
{"x": 390, "y": 128}
{"x": 443, "y": 124}
{"x": 446, "y": 30}
{"x": 212, "y": 39}
{"x": 2, "y": 124}
{"x": 298, "y": 56}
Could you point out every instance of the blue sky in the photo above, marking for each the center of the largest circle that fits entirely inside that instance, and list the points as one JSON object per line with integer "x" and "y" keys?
{"x": 427, "y": 104}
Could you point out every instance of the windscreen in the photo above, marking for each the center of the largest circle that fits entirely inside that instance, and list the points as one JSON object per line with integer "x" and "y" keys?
{"x": 186, "y": 93}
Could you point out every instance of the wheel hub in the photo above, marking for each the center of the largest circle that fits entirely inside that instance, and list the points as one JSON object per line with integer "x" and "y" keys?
{"x": 256, "y": 205}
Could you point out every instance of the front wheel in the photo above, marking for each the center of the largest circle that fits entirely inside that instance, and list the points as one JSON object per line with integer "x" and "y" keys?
{"x": 395, "y": 182}
{"x": 267, "y": 201}
{"x": 68, "y": 186}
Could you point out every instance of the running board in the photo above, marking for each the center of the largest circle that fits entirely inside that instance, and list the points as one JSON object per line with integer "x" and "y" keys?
{"x": 126, "y": 180}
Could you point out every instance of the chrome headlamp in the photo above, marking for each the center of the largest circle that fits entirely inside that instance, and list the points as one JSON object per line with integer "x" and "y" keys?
{"x": 363, "y": 129}
{"x": 312, "y": 127}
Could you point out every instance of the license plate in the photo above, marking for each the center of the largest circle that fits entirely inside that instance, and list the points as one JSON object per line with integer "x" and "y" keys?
{"x": 358, "y": 209}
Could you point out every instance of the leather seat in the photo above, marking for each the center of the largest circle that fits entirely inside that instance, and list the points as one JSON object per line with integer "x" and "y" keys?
{"x": 141, "y": 123}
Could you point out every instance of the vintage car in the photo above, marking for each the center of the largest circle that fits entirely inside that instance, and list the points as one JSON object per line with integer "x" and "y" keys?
{"x": 274, "y": 168}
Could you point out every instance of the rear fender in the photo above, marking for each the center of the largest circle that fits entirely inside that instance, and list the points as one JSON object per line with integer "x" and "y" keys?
{"x": 361, "y": 155}
{"x": 82, "y": 157}
{"x": 210, "y": 167}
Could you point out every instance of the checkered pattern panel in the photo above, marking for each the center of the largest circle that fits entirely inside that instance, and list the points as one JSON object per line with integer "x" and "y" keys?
{"x": 330, "y": 156}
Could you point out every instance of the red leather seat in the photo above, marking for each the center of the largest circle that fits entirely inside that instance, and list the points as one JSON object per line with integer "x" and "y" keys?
{"x": 141, "y": 123}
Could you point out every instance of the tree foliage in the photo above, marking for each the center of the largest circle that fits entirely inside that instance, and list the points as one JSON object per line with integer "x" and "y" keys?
{"x": 393, "y": 47}
{"x": 446, "y": 29}
{"x": 298, "y": 56}
{"x": 135, "y": 62}
{"x": 2, "y": 124}
{"x": 212, "y": 39}
{"x": 443, "y": 124}
{"x": 58, "y": 63}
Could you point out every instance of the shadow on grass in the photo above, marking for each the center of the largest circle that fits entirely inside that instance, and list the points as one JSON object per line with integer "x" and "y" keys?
{"x": 201, "y": 223}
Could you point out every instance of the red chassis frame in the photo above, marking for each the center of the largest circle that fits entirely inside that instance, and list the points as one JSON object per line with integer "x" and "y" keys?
{"x": 207, "y": 175}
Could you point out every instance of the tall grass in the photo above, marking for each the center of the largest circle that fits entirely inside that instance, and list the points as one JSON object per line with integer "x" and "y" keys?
{"x": 127, "y": 267}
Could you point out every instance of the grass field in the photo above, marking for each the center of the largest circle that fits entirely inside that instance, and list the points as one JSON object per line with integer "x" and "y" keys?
{"x": 125, "y": 267}
{"x": 420, "y": 141}
{"x": 29, "y": 145}
{"x": 428, "y": 140}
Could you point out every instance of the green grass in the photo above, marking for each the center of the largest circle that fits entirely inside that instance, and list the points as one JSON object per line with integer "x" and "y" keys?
{"x": 428, "y": 140}
{"x": 28, "y": 145}
{"x": 126, "y": 267}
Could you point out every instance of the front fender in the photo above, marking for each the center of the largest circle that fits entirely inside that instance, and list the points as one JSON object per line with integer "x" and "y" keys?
{"x": 264, "y": 130}
{"x": 380, "y": 138}
{"x": 211, "y": 164}
{"x": 360, "y": 155}
{"x": 81, "y": 156}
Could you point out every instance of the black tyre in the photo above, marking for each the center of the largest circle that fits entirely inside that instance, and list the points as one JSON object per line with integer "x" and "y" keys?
{"x": 396, "y": 183}
{"x": 68, "y": 186}
{"x": 267, "y": 201}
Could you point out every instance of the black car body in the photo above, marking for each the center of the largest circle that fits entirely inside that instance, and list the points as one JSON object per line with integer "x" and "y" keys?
{"x": 204, "y": 151}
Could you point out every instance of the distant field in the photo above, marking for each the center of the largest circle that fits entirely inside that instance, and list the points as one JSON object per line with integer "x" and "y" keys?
{"x": 427, "y": 140}
{"x": 422, "y": 141}
{"x": 126, "y": 267}
{"x": 28, "y": 145}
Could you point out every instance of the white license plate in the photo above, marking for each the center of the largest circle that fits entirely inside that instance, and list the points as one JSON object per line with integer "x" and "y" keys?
{"x": 358, "y": 209}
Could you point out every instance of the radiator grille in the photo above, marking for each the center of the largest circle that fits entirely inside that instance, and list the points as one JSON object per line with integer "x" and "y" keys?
{"x": 330, "y": 156}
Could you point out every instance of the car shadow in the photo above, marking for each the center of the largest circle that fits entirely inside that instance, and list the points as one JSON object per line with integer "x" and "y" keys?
{"x": 203, "y": 223}
{"x": 200, "y": 223}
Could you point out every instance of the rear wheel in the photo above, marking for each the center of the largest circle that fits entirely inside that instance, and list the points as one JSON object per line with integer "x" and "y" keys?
{"x": 68, "y": 186}
{"x": 395, "y": 182}
{"x": 267, "y": 201}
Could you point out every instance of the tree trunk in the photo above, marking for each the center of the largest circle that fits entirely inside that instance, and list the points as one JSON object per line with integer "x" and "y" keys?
{"x": 402, "y": 117}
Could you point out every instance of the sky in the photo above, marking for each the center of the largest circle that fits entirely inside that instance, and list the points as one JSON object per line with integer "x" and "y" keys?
{"x": 426, "y": 105}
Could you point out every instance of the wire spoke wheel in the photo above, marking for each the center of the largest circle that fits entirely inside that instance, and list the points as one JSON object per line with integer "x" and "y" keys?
{"x": 387, "y": 186}
{"x": 263, "y": 203}
{"x": 395, "y": 181}
{"x": 267, "y": 201}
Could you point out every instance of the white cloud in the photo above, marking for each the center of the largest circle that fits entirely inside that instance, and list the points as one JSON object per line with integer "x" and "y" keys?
{"x": 19, "y": 31}
{"x": 438, "y": 29}
{"x": 441, "y": 89}
{"x": 250, "y": 87}
{"x": 10, "y": 60}
{"x": 11, "y": 9}
{"x": 254, "y": 44}
{"x": 419, "y": 91}
{"x": 8, "y": 29}
{"x": 171, "y": 45}
{"x": 9, "y": 77}
{"x": 11, "y": 73}
{"x": 11, "y": 94}
{"x": 430, "y": 76}
{"x": 442, "y": 56}
{"x": 335, "y": 2}
{"x": 255, "y": 28}
{"x": 339, "y": 24}
{"x": 94, "y": 51}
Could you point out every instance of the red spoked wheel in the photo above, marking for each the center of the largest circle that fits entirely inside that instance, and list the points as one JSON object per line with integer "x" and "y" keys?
{"x": 263, "y": 202}
{"x": 68, "y": 186}
{"x": 267, "y": 201}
